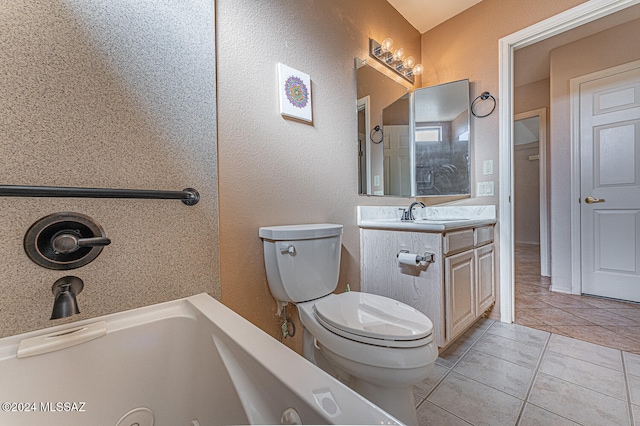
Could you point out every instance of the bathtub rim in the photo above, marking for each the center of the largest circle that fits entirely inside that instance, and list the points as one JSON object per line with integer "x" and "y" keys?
{"x": 265, "y": 350}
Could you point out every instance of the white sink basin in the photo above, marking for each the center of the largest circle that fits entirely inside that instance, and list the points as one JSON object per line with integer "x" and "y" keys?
{"x": 441, "y": 219}
{"x": 422, "y": 220}
{"x": 430, "y": 219}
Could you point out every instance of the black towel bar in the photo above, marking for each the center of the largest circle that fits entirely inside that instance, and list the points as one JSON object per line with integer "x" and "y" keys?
{"x": 189, "y": 196}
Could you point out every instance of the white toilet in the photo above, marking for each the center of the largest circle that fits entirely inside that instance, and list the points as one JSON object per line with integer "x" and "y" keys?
{"x": 376, "y": 345}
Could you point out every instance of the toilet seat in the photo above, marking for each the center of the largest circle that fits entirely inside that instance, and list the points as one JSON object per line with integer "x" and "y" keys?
{"x": 374, "y": 319}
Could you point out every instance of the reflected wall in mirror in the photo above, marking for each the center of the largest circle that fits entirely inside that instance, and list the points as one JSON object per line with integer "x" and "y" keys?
{"x": 384, "y": 156}
{"x": 441, "y": 140}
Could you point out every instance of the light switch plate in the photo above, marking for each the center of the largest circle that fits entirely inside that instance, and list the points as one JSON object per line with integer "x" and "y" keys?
{"x": 485, "y": 189}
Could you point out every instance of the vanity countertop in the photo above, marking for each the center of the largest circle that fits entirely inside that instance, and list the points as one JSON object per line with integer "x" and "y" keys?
{"x": 428, "y": 219}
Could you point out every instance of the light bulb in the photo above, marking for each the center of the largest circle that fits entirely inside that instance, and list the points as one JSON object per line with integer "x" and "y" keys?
{"x": 398, "y": 55}
{"x": 409, "y": 62}
{"x": 417, "y": 70}
{"x": 386, "y": 45}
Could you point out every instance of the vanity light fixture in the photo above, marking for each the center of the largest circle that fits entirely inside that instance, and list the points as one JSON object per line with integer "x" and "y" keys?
{"x": 395, "y": 59}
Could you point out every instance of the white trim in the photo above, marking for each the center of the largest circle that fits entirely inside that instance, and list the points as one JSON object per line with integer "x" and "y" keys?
{"x": 545, "y": 248}
{"x": 364, "y": 104}
{"x": 505, "y": 213}
{"x": 412, "y": 146}
{"x": 579, "y": 15}
{"x": 574, "y": 93}
{"x": 576, "y": 243}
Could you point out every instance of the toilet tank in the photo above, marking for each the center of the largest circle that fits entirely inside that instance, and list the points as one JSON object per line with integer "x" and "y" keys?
{"x": 302, "y": 261}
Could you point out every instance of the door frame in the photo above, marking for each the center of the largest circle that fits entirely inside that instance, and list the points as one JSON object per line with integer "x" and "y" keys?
{"x": 545, "y": 247}
{"x": 574, "y": 93}
{"x": 363, "y": 104}
{"x": 569, "y": 19}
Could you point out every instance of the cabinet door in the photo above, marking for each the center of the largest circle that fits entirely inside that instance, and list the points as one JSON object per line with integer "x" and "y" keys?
{"x": 418, "y": 286}
{"x": 486, "y": 277}
{"x": 460, "y": 292}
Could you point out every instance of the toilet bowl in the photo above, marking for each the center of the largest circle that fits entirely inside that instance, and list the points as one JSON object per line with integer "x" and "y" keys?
{"x": 382, "y": 368}
{"x": 378, "y": 346}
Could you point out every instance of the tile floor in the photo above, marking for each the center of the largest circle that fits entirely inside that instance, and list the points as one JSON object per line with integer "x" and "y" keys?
{"x": 605, "y": 322}
{"x": 509, "y": 374}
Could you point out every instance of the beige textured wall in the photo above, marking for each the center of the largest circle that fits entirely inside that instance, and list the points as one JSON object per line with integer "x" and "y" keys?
{"x": 606, "y": 49}
{"x": 466, "y": 46}
{"x": 532, "y": 96}
{"x": 275, "y": 171}
{"x": 109, "y": 94}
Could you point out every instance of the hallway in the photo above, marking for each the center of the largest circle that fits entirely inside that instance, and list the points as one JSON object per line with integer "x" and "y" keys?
{"x": 601, "y": 321}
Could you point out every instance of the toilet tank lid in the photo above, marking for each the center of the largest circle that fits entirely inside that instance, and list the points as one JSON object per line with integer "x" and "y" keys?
{"x": 300, "y": 232}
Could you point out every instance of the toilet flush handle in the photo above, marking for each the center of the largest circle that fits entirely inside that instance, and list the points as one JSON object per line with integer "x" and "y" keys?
{"x": 288, "y": 249}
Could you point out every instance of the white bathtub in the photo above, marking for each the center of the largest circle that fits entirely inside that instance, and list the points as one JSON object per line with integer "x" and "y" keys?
{"x": 188, "y": 362}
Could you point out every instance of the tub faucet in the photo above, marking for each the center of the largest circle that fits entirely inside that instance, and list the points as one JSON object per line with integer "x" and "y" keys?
{"x": 65, "y": 291}
{"x": 407, "y": 215}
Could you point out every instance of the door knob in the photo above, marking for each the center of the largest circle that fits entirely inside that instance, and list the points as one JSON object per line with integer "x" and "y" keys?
{"x": 593, "y": 200}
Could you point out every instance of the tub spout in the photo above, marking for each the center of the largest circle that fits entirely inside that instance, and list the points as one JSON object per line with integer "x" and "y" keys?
{"x": 65, "y": 291}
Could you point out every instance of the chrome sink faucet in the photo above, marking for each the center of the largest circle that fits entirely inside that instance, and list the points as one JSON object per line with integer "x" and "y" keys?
{"x": 407, "y": 215}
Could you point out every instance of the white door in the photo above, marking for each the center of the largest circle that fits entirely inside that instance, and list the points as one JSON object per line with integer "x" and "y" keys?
{"x": 610, "y": 185}
{"x": 397, "y": 166}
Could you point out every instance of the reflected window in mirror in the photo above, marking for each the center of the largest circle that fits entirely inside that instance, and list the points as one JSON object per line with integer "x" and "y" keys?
{"x": 429, "y": 134}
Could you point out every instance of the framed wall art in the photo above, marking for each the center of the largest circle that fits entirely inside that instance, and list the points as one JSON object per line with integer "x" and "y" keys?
{"x": 294, "y": 91}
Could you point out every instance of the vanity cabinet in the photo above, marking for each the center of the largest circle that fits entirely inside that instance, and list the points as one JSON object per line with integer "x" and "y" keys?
{"x": 453, "y": 291}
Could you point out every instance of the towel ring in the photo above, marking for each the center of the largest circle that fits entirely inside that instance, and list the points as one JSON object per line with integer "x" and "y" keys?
{"x": 483, "y": 97}
{"x": 375, "y": 130}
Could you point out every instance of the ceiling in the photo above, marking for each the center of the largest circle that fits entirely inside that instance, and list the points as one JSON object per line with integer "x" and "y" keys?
{"x": 426, "y": 14}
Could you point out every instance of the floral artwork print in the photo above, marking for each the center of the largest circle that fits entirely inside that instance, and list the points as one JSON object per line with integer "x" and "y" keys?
{"x": 297, "y": 92}
{"x": 294, "y": 93}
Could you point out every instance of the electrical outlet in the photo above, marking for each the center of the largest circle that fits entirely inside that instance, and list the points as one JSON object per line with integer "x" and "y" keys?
{"x": 487, "y": 167}
{"x": 376, "y": 180}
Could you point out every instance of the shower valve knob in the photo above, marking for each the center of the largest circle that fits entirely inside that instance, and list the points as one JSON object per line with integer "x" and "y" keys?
{"x": 65, "y": 240}
{"x": 68, "y": 242}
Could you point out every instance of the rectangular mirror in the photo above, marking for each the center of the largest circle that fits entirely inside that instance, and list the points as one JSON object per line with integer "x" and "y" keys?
{"x": 440, "y": 129}
{"x": 411, "y": 143}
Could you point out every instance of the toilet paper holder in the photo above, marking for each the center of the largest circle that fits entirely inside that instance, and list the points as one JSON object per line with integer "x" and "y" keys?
{"x": 426, "y": 257}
